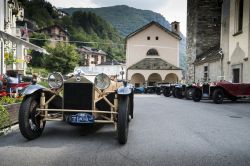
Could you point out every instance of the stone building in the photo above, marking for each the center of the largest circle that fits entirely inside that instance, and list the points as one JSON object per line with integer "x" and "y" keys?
{"x": 152, "y": 55}
{"x": 91, "y": 56}
{"x": 203, "y": 37}
{"x": 56, "y": 34}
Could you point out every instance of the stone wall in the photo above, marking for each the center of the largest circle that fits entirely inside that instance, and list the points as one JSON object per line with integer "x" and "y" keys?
{"x": 203, "y": 29}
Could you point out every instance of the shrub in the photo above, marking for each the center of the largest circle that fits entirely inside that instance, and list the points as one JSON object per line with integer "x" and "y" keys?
{"x": 7, "y": 100}
{"x": 4, "y": 119}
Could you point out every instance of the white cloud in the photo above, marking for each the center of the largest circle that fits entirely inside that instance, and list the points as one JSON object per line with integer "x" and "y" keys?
{"x": 176, "y": 10}
{"x": 72, "y": 3}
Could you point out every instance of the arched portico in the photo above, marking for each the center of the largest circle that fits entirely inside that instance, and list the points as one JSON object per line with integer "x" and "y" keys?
{"x": 154, "y": 78}
{"x": 137, "y": 80}
{"x": 171, "y": 78}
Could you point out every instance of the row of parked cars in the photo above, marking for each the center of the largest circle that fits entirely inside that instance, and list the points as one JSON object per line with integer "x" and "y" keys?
{"x": 215, "y": 91}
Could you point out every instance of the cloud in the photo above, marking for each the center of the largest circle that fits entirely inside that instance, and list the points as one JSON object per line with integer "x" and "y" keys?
{"x": 72, "y": 3}
{"x": 141, "y": 4}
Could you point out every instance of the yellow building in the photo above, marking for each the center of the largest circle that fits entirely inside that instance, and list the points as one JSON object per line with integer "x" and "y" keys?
{"x": 152, "y": 55}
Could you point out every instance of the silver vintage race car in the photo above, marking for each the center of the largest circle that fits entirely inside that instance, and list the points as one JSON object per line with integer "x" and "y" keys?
{"x": 79, "y": 100}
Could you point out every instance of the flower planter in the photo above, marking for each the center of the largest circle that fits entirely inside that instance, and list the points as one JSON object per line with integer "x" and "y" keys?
{"x": 13, "y": 110}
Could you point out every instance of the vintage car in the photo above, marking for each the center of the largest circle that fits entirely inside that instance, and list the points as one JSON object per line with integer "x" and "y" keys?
{"x": 218, "y": 91}
{"x": 79, "y": 100}
{"x": 160, "y": 88}
{"x": 169, "y": 90}
{"x": 184, "y": 90}
{"x": 139, "y": 90}
{"x": 11, "y": 83}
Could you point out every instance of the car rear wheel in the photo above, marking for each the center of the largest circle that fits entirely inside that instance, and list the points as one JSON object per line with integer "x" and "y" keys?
{"x": 218, "y": 96}
{"x": 173, "y": 92}
{"x": 178, "y": 93}
{"x": 158, "y": 91}
{"x": 167, "y": 92}
{"x": 196, "y": 95}
{"x": 123, "y": 120}
{"x": 188, "y": 94}
{"x": 30, "y": 123}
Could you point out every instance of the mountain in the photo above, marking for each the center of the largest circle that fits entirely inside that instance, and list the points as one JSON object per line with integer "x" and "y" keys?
{"x": 84, "y": 27}
{"x": 127, "y": 19}
{"x": 124, "y": 18}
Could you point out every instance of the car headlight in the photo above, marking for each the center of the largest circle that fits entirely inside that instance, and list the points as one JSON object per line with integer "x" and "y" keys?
{"x": 55, "y": 80}
{"x": 102, "y": 81}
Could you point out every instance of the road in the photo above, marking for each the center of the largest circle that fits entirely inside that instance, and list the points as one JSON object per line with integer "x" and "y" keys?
{"x": 165, "y": 131}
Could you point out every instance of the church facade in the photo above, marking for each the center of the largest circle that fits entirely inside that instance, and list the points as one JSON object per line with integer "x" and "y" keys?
{"x": 152, "y": 55}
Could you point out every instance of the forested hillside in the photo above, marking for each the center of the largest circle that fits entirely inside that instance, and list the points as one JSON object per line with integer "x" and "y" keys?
{"x": 124, "y": 18}
{"x": 85, "y": 28}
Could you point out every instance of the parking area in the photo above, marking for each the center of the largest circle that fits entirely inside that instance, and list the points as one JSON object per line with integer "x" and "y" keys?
{"x": 164, "y": 131}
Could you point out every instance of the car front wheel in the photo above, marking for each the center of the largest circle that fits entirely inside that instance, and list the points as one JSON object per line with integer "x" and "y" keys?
{"x": 218, "y": 96}
{"x": 30, "y": 120}
{"x": 196, "y": 95}
{"x": 123, "y": 120}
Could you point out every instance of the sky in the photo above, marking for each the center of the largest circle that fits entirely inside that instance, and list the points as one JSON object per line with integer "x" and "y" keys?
{"x": 172, "y": 10}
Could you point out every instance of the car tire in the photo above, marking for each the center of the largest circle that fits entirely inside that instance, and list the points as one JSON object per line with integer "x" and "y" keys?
{"x": 131, "y": 105}
{"x": 158, "y": 91}
{"x": 196, "y": 95}
{"x": 218, "y": 96}
{"x": 233, "y": 98}
{"x": 167, "y": 92}
{"x": 173, "y": 93}
{"x": 29, "y": 121}
{"x": 188, "y": 94}
{"x": 178, "y": 93}
{"x": 123, "y": 120}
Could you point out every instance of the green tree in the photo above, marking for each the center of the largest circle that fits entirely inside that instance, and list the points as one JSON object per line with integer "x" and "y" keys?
{"x": 62, "y": 58}
{"x": 39, "y": 39}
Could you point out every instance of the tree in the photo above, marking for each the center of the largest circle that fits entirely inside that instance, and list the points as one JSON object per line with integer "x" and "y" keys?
{"x": 62, "y": 58}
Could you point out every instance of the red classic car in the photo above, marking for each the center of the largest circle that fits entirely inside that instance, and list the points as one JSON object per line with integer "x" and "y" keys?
{"x": 217, "y": 91}
{"x": 10, "y": 84}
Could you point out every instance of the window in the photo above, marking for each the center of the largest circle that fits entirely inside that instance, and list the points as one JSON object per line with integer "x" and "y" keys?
{"x": 205, "y": 73}
{"x": 156, "y": 38}
{"x": 148, "y": 37}
{"x": 152, "y": 52}
{"x": 239, "y": 16}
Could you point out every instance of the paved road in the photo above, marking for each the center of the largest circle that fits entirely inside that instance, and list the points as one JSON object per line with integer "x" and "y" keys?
{"x": 165, "y": 131}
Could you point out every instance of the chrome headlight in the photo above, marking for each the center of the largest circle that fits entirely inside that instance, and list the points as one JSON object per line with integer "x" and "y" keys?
{"x": 102, "y": 81}
{"x": 55, "y": 80}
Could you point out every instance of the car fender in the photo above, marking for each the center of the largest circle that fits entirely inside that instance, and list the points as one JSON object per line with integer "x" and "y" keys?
{"x": 32, "y": 89}
{"x": 124, "y": 90}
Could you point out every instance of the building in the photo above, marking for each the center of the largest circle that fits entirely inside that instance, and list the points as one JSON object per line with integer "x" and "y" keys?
{"x": 221, "y": 49}
{"x": 56, "y": 34}
{"x": 13, "y": 49}
{"x": 203, "y": 38}
{"x": 152, "y": 55}
{"x": 235, "y": 40}
{"x": 91, "y": 56}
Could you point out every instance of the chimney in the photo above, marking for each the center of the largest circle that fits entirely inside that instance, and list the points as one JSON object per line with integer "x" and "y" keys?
{"x": 175, "y": 27}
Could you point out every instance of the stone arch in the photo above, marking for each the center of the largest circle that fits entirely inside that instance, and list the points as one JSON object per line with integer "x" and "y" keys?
{"x": 171, "y": 78}
{"x": 154, "y": 78}
{"x": 137, "y": 80}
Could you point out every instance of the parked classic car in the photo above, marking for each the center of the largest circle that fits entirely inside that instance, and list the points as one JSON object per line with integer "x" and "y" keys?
{"x": 218, "y": 91}
{"x": 80, "y": 100}
{"x": 11, "y": 83}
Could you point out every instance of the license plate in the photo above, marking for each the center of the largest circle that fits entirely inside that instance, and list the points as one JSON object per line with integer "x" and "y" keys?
{"x": 82, "y": 118}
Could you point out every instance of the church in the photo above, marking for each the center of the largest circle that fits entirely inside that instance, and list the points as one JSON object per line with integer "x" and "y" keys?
{"x": 152, "y": 55}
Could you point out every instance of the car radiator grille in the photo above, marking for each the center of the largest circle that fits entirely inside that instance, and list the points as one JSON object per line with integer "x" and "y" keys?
{"x": 78, "y": 96}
